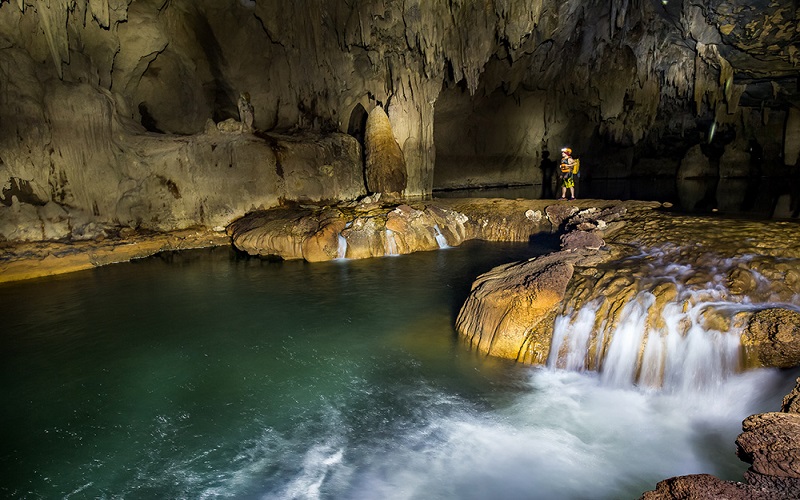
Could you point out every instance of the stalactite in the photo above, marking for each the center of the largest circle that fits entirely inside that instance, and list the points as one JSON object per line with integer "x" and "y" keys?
{"x": 53, "y": 15}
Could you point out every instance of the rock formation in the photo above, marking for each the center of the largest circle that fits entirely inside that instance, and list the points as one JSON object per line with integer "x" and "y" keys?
{"x": 772, "y": 338}
{"x": 369, "y": 229}
{"x": 510, "y": 310}
{"x": 622, "y": 264}
{"x": 385, "y": 165}
{"x": 110, "y": 108}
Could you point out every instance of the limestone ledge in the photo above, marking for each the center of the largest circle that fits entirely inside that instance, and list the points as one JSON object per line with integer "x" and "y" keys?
{"x": 610, "y": 257}
{"x": 29, "y": 260}
{"x": 370, "y": 228}
{"x": 311, "y": 231}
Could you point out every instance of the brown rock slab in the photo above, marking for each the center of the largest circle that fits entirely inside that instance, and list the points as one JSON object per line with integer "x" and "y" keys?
{"x": 703, "y": 486}
{"x": 771, "y": 444}
{"x": 772, "y": 338}
{"x": 507, "y": 304}
{"x": 791, "y": 402}
{"x": 581, "y": 239}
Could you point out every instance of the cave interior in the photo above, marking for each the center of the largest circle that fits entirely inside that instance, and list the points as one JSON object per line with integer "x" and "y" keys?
{"x": 128, "y": 112}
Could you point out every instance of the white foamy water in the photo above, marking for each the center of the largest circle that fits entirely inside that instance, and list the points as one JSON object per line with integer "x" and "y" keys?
{"x": 341, "y": 250}
{"x": 440, "y": 238}
{"x": 391, "y": 243}
{"x": 566, "y": 435}
{"x": 677, "y": 346}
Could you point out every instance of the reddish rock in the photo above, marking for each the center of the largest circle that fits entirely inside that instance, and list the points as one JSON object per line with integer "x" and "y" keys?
{"x": 581, "y": 239}
{"x": 703, "y": 486}
{"x": 771, "y": 444}
{"x": 791, "y": 402}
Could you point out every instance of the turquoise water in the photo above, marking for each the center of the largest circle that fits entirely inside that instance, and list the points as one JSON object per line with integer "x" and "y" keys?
{"x": 207, "y": 375}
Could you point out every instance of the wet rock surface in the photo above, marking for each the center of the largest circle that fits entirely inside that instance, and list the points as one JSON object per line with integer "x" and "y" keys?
{"x": 46, "y": 258}
{"x": 772, "y": 338}
{"x": 314, "y": 232}
{"x": 628, "y": 257}
{"x": 372, "y": 227}
{"x": 706, "y": 486}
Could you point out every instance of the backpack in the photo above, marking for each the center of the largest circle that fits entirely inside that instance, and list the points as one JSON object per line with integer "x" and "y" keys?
{"x": 576, "y": 167}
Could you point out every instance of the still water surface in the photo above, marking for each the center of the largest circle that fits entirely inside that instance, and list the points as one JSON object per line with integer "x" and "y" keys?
{"x": 208, "y": 375}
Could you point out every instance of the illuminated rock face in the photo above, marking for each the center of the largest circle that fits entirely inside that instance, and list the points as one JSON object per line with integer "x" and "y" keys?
{"x": 95, "y": 91}
{"x": 660, "y": 284}
{"x": 385, "y": 165}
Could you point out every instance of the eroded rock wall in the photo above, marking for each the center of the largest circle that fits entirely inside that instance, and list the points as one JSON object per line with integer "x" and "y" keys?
{"x": 485, "y": 87}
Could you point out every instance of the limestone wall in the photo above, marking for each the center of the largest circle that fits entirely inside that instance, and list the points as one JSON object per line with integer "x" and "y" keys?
{"x": 82, "y": 81}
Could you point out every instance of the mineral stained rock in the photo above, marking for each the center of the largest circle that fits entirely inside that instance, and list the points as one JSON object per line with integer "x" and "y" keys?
{"x": 109, "y": 111}
{"x": 704, "y": 486}
{"x": 509, "y": 311}
{"x": 385, "y": 165}
{"x": 770, "y": 443}
{"x": 373, "y": 227}
{"x": 772, "y": 338}
{"x": 612, "y": 276}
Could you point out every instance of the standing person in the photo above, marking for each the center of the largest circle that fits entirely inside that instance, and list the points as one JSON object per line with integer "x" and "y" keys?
{"x": 567, "y": 176}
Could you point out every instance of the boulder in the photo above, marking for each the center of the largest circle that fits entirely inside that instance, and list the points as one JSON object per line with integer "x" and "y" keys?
{"x": 581, "y": 239}
{"x": 557, "y": 214}
{"x": 279, "y": 232}
{"x": 770, "y": 443}
{"x": 510, "y": 309}
{"x": 772, "y": 338}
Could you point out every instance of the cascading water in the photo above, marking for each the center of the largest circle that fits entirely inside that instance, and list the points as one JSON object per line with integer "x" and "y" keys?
{"x": 333, "y": 380}
{"x": 391, "y": 243}
{"x": 341, "y": 250}
{"x": 440, "y": 238}
{"x": 678, "y": 331}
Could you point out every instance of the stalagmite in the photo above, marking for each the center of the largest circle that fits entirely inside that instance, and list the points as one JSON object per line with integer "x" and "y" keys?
{"x": 385, "y": 165}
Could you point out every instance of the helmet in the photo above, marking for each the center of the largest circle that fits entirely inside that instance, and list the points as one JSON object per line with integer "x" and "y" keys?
{"x": 566, "y": 150}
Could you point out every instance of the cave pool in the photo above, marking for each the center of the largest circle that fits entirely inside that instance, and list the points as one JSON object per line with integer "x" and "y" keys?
{"x": 205, "y": 374}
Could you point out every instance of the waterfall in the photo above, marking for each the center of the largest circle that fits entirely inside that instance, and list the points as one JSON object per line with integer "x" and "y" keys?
{"x": 440, "y": 239}
{"x": 688, "y": 340}
{"x": 681, "y": 354}
{"x": 391, "y": 243}
{"x": 341, "y": 250}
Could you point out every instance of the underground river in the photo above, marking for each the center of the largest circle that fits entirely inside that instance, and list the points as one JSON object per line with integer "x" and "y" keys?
{"x": 204, "y": 374}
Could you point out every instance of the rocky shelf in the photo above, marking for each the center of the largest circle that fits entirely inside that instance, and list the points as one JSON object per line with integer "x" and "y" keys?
{"x": 27, "y": 260}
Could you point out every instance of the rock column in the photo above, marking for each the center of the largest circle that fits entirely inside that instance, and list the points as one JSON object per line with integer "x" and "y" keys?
{"x": 385, "y": 164}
